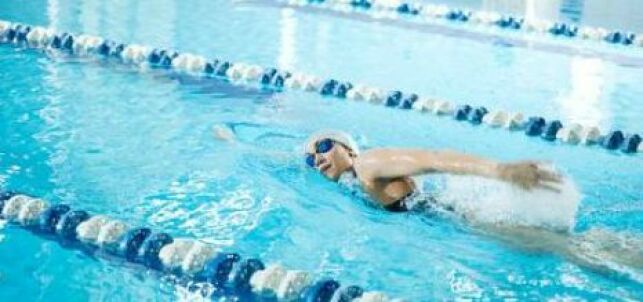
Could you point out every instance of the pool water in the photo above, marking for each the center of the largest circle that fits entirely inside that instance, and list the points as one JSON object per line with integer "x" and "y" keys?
{"x": 139, "y": 146}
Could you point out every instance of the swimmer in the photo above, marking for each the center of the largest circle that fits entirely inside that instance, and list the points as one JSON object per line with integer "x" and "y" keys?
{"x": 384, "y": 174}
{"x": 385, "y": 177}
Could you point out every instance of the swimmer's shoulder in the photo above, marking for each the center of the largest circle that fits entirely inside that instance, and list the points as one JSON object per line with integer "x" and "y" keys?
{"x": 370, "y": 160}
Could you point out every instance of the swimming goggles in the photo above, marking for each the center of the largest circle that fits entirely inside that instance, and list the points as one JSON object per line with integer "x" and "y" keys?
{"x": 321, "y": 146}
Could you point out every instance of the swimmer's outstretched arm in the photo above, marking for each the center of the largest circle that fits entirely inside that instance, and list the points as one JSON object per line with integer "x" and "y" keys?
{"x": 225, "y": 133}
{"x": 394, "y": 163}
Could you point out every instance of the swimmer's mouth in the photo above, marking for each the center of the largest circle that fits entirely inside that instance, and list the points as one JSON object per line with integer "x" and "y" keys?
{"x": 324, "y": 167}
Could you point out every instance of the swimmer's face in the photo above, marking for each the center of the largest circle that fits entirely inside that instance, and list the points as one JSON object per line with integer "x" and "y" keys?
{"x": 329, "y": 157}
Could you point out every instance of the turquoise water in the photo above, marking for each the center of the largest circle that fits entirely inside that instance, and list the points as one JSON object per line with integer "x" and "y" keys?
{"x": 139, "y": 147}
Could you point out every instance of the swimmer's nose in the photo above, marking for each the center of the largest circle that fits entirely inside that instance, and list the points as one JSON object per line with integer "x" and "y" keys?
{"x": 319, "y": 159}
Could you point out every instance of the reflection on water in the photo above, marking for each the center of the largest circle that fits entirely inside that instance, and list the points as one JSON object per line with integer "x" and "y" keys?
{"x": 585, "y": 102}
{"x": 288, "y": 44}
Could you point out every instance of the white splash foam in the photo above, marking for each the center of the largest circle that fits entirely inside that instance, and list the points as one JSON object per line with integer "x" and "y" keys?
{"x": 496, "y": 202}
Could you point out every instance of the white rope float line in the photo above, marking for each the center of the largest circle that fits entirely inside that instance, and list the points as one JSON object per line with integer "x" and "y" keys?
{"x": 227, "y": 272}
{"x": 249, "y": 74}
{"x": 393, "y": 9}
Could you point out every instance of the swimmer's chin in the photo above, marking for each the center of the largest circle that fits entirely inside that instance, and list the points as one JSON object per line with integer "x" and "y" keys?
{"x": 332, "y": 175}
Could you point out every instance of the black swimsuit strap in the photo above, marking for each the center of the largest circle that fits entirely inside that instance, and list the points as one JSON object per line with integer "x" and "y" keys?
{"x": 399, "y": 206}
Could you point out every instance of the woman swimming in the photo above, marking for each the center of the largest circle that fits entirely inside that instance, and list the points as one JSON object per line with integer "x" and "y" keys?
{"x": 384, "y": 174}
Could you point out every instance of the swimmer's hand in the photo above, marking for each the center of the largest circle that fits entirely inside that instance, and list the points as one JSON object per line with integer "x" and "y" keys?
{"x": 529, "y": 175}
{"x": 222, "y": 132}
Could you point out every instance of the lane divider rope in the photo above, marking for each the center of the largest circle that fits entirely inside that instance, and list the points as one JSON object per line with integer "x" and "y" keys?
{"x": 393, "y": 9}
{"x": 189, "y": 259}
{"x": 248, "y": 74}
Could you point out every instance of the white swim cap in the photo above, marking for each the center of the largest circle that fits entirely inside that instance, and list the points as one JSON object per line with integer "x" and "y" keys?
{"x": 336, "y": 135}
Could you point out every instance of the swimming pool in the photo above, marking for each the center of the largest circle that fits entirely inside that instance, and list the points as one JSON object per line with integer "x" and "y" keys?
{"x": 138, "y": 146}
